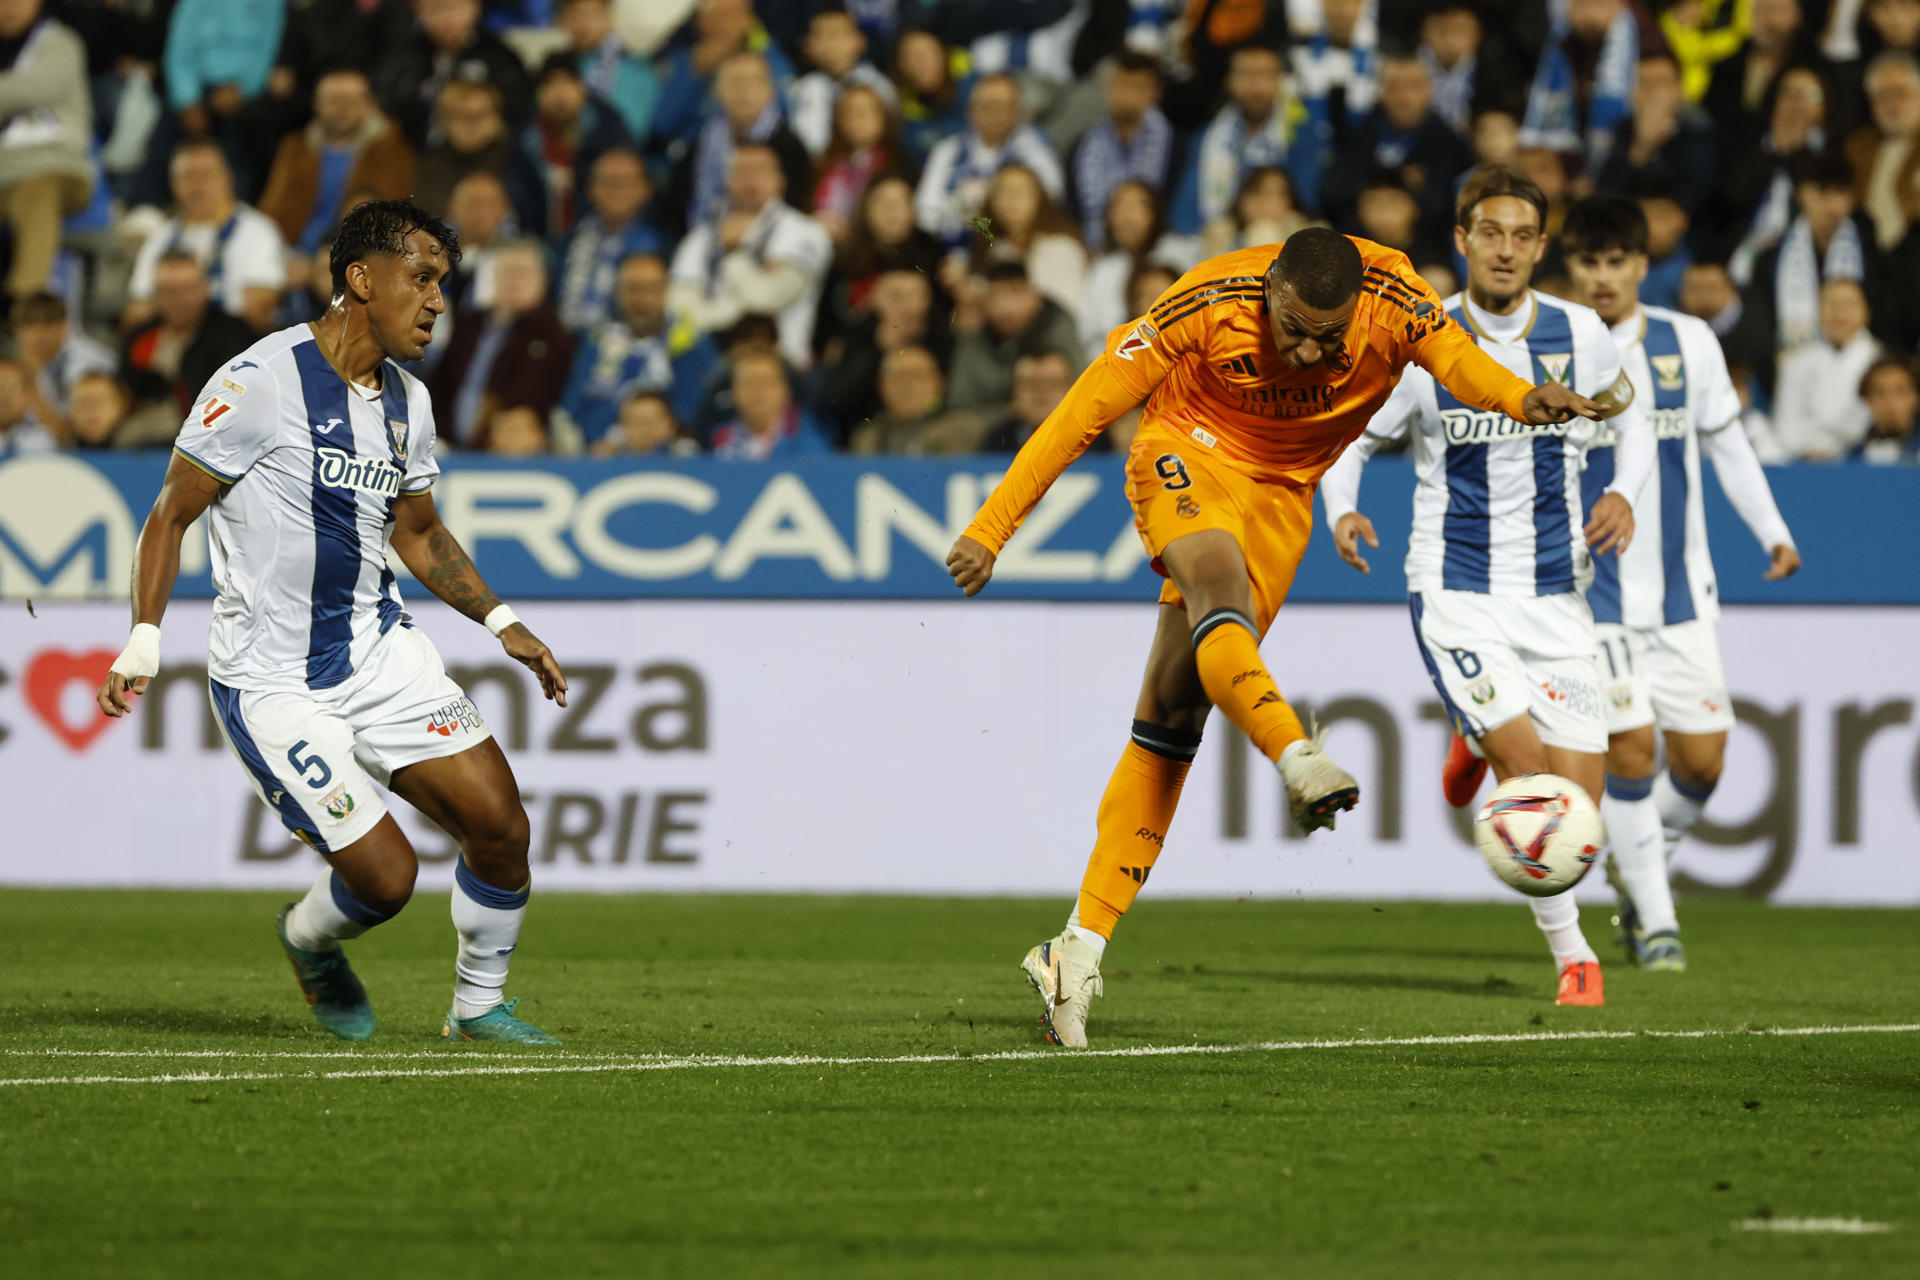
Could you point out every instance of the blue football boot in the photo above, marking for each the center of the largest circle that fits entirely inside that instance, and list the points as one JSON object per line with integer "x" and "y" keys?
{"x": 497, "y": 1023}
{"x": 338, "y": 1001}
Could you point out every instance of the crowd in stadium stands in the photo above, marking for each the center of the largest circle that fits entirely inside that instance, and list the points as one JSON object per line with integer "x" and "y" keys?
{"x": 758, "y": 229}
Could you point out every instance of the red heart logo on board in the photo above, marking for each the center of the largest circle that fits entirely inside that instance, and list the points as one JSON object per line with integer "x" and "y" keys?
{"x": 47, "y": 678}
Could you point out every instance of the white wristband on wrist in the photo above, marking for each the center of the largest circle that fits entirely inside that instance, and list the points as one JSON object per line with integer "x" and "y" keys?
{"x": 141, "y": 657}
{"x": 500, "y": 619}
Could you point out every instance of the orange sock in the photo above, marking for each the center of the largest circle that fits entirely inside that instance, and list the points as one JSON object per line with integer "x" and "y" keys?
{"x": 1134, "y": 815}
{"x": 1227, "y": 648}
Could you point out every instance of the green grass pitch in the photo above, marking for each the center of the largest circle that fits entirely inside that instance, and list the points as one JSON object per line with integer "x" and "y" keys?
{"x": 1526, "y": 1155}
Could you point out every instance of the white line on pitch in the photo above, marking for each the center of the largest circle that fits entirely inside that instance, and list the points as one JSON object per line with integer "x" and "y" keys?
{"x": 1815, "y": 1226}
{"x": 662, "y": 1062}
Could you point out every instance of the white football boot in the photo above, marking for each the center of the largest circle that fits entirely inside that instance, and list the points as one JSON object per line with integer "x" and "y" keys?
{"x": 1066, "y": 973}
{"x": 1317, "y": 788}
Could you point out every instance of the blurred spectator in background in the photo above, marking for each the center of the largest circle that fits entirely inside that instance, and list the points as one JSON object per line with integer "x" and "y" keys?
{"x": 514, "y": 354}
{"x": 647, "y": 424}
{"x": 20, "y": 431}
{"x": 883, "y": 238}
{"x": 219, "y": 54}
{"x": 1450, "y": 35}
{"x": 766, "y": 422}
{"x": 836, "y": 49}
{"x": 748, "y": 114}
{"x": 633, "y": 352}
{"x": 237, "y": 246}
{"x": 1495, "y": 137}
{"x": 98, "y": 418}
{"x": 1743, "y": 84}
{"x": 1132, "y": 142}
{"x": 45, "y": 170}
{"x": 1815, "y": 413}
{"x": 933, "y": 100}
{"x": 1825, "y": 241}
{"x": 614, "y": 229}
{"x": 1262, "y": 126}
{"x": 517, "y": 432}
{"x": 446, "y": 46}
{"x": 720, "y": 29}
{"x": 349, "y": 147}
{"x": 480, "y": 211}
{"x": 473, "y": 138}
{"x": 900, "y": 313}
{"x": 1403, "y": 138}
{"x": 1667, "y": 255}
{"x": 1015, "y": 320}
{"x": 1708, "y": 292}
{"x": 1886, "y": 154}
{"x": 1333, "y": 55}
{"x": 1265, "y": 212}
{"x": 1893, "y": 24}
{"x": 568, "y": 133}
{"x": 1891, "y": 391}
{"x": 1135, "y": 234}
{"x": 169, "y": 358}
{"x": 1387, "y": 214}
{"x": 1583, "y": 84}
{"x": 758, "y": 254}
{"x": 959, "y": 169}
{"x": 325, "y": 35}
{"x": 1023, "y": 224}
{"x": 309, "y": 300}
{"x": 1665, "y": 141}
{"x": 1040, "y": 383}
{"x": 1149, "y": 282}
{"x": 55, "y": 355}
{"x": 865, "y": 144}
{"x": 912, "y": 416}
{"x": 1758, "y": 187}
{"x": 621, "y": 79}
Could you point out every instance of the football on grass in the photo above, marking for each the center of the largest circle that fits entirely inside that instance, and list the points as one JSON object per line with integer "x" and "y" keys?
{"x": 1540, "y": 833}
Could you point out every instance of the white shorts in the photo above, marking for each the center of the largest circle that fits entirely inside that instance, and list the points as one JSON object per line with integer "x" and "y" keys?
{"x": 1497, "y": 658}
{"x": 314, "y": 754}
{"x": 1669, "y": 676}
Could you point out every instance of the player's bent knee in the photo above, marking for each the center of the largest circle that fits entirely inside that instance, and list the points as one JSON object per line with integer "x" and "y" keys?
{"x": 497, "y": 852}
{"x": 1631, "y": 754}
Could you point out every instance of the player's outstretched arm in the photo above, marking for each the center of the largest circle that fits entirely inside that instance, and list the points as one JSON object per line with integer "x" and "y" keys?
{"x": 433, "y": 555}
{"x": 1745, "y": 483}
{"x": 185, "y": 495}
{"x": 1450, "y": 355}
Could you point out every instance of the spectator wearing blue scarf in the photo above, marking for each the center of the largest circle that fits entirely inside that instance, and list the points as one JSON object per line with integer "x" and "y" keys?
{"x": 634, "y": 352}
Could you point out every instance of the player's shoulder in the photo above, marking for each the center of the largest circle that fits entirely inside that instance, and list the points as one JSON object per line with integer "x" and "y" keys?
{"x": 257, "y": 374}
{"x": 1233, "y": 280}
{"x": 1690, "y": 330}
{"x": 1583, "y": 321}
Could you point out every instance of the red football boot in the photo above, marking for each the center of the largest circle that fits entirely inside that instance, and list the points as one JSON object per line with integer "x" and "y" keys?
{"x": 1462, "y": 774}
{"x": 1580, "y": 984}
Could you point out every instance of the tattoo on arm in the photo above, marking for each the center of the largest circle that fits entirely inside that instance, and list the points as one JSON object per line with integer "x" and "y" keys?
{"x": 451, "y": 576}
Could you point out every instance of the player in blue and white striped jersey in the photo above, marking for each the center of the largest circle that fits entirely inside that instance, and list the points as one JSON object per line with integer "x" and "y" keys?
{"x": 1501, "y": 551}
{"x": 309, "y": 452}
{"x": 1656, "y": 605}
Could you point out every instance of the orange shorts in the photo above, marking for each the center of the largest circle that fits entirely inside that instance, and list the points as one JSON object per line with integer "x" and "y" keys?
{"x": 1178, "y": 486}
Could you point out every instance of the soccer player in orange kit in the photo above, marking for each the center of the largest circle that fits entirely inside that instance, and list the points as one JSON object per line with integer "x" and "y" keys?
{"x": 1257, "y": 369}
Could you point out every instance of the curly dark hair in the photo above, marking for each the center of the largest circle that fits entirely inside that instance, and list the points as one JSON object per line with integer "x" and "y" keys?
{"x": 379, "y": 228}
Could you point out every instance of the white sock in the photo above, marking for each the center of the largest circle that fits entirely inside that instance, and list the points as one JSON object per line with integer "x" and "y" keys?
{"x": 1680, "y": 804}
{"x": 1634, "y": 831}
{"x": 1086, "y": 935}
{"x": 1559, "y": 918}
{"x": 318, "y": 922}
{"x": 488, "y": 921}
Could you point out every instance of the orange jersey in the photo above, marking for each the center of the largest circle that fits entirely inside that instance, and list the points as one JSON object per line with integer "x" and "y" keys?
{"x": 1204, "y": 362}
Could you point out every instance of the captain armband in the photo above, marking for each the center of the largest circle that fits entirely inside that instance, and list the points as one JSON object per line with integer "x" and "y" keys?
{"x": 1616, "y": 399}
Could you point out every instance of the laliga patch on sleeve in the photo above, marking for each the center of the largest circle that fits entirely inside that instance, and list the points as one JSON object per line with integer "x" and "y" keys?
{"x": 1139, "y": 339}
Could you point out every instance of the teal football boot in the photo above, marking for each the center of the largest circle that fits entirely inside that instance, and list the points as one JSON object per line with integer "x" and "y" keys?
{"x": 338, "y": 1001}
{"x": 497, "y": 1023}
{"x": 1662, "y": 953}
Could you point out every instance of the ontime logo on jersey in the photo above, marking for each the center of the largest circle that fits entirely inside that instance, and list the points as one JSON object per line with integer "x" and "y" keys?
{"x": 1482, "y": 426}
{"x": 339, "y": 470}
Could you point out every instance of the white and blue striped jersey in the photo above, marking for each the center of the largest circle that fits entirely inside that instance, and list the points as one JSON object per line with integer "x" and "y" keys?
{"x": 1498, "y": 506}
{"x": 1680, "y": 381}
{"x": 298, "y": 540}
